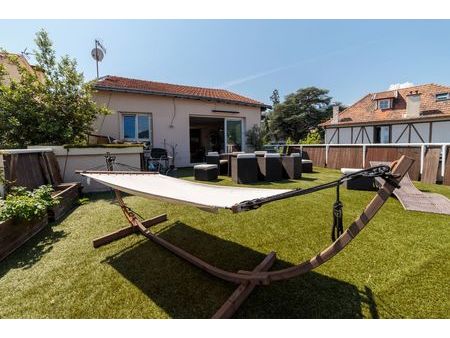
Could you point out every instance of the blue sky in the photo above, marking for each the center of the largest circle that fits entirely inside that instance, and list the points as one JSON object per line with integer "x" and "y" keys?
{"x": 252, "y": 57}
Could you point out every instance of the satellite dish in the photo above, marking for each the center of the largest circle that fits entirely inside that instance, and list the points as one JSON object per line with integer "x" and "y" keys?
{"x": 97, "y": 54}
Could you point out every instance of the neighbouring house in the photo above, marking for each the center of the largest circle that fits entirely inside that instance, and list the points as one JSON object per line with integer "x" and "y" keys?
{"x": 419, "y": 114}
{"x": 11, "y": 69}
{"x": 195, "y": 120}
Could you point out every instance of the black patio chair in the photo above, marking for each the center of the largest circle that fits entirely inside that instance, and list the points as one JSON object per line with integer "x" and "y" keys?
{"x": 159, "y": 161}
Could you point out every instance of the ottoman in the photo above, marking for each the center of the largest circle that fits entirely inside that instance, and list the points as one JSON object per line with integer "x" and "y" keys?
{"x": 205, "y": 172}
{"x": 307, "y": 166}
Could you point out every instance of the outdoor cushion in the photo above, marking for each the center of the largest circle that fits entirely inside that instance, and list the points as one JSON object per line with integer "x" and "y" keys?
{"x": 246, "y": 155}
{"x": 260, "y": 152}
{"x": 295, "y": 155}
{"x": 347, "y": 171}
{"x": 306, "y": 161}
{"x": 205, "y": 166}
{"x": 213, "y": 153}
{"x": 272, "y": 155}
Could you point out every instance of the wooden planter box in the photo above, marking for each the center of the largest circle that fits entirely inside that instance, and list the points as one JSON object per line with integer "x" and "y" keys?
{"x": 68, "y": 194}
{"x": 13, "y": 234}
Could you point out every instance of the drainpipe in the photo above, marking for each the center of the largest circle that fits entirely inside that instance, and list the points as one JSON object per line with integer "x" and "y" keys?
{"x": 422, "y": 156}
{"x": 326, "y": 155}
{"x": 364, "y": 155}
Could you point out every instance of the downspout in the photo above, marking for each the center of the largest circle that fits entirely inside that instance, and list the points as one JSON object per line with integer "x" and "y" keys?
{"x": 422, "y": 157}
{"x": 364, "y": 155}
{"x": 174, "y": 113}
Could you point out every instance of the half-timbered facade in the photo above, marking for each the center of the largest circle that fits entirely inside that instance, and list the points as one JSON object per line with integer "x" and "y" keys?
{"x": 419, "y": 114}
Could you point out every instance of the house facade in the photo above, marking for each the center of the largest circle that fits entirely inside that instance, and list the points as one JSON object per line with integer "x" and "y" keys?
{"x": 189, "y": 121}
{"x": 419, "y": 114}
{"x": 9, "y": 62}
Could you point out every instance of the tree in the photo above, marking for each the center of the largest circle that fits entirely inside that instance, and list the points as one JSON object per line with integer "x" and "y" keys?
{"x": 300, "y": 112}
{"x": 256, "y": 137}
{"x": 57, "y": 109}
{"x": 275, "y": 97}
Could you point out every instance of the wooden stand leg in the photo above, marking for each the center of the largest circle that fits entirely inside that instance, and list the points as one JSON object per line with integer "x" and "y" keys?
{"x": 121, "y": 233}
{"x": 243, "y": 291}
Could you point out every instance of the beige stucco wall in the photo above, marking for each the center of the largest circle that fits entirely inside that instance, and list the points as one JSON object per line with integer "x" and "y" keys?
{"x": 12, "y": 72}
{"x": 170, "y": 117}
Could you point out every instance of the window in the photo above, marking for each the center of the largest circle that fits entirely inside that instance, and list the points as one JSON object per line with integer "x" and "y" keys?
{"x": 137, "y": 127}
{"x": 384, "y": 104}
{"x": 382, "y": 134}
{"x": 443, "y": 97}
{"x": 129, "y": 126}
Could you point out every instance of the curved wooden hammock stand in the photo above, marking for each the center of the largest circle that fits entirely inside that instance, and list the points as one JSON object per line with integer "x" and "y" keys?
{"x": 247, "y": 280}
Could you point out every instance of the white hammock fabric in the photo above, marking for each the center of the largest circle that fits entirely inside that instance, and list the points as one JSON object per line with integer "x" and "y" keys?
{"x": 204, "y": 196}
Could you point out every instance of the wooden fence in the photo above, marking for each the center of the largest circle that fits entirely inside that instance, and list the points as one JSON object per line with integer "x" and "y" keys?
{"x": 431, "y": 160}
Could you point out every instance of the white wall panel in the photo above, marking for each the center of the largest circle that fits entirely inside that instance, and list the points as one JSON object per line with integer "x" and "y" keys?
{"x": 441, "y": 132}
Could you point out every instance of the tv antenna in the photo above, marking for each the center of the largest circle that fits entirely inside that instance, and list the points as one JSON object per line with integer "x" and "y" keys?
{"x": 25, "y": 53}
{"x": 98, "y": 53}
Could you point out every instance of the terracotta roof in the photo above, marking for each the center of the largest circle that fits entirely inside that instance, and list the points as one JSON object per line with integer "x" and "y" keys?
{"x": 391, "y": 94}
{"x": 365, "y": 110}
{"x": 122, "y": 84}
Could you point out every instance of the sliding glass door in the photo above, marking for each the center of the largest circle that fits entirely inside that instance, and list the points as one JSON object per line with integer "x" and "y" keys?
{"x": 233, "y": 132}
{"x": 218, "y": 134}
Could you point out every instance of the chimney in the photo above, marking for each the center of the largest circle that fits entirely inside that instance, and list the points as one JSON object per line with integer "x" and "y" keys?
{"x": 413, "y": 104}
{"x": 336, "y": 114}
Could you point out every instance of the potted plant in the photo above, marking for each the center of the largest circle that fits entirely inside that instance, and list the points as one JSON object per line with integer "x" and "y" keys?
{"x": 23, "y": 214}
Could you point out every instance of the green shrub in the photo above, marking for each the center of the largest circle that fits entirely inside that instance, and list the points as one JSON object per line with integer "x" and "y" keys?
{"x": 21, "y": 204}
{"x": 290, "y": 141}
{"x": 313, "y": 137}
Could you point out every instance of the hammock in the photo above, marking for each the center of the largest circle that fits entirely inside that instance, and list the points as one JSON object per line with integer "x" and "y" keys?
{"x": 204, "y": 196}
{"x": 240, "y": 199}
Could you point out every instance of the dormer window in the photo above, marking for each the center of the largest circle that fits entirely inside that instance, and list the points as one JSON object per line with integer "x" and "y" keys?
{"x": 385, "y": 100}
{"x": 443, "y": 97}
{"x": 385, "y": 104}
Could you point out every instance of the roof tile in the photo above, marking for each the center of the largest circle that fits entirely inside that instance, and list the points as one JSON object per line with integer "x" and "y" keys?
{"x": 365, "y": 110}
{"x": 121, "y": 83}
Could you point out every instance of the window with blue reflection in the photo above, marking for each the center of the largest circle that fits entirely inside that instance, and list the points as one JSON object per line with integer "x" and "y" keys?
{"x": 129, "y": 126}
{"x": 143, "y": 127}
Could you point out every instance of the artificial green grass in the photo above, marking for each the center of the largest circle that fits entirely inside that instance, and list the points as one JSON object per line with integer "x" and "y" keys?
{"x": 398, "y": 267}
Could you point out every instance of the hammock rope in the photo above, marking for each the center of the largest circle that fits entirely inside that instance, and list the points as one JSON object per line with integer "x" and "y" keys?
{"x": 337, "y": 228}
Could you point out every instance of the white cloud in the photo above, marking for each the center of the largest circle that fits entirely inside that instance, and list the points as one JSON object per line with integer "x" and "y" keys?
{"x": 302, "y": 62}
{"x": 395, "y": 86}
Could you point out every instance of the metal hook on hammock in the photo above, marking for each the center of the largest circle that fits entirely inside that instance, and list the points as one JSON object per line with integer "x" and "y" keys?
{"x": 337, "y": 228}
